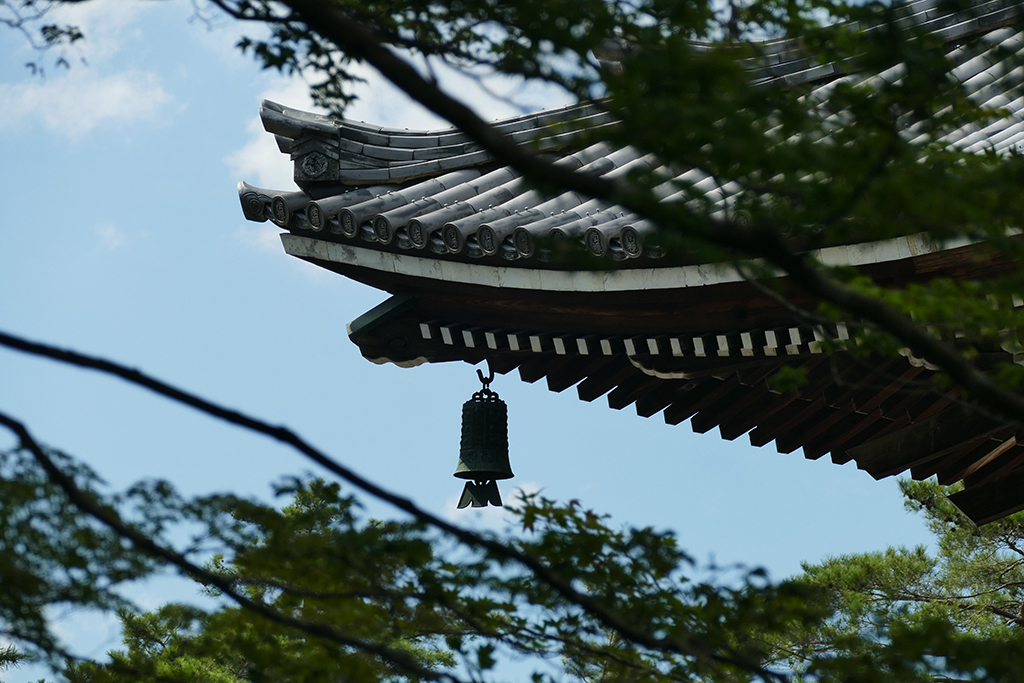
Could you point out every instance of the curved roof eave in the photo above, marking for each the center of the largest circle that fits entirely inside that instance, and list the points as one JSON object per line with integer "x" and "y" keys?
{"x": 591, "y": 281}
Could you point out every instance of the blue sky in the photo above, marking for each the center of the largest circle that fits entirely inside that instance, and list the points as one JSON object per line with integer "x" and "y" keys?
{"x": 122, "y": 237}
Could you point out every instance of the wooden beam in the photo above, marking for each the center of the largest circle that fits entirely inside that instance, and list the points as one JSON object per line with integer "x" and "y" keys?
{"x": 1008, "y": 462}
{"x": 682, "y": 409}
{"x": 793, "y": 414}
{"x": 504, "y": 363}
{"x": 728, "y": 407}
{"x": 757, "y": 375}
{"x": 655, "y": 401}
{"x": 631, "y": 389}
{"x": 911, "y": 399}
{"x": 710, "y": 366}
{"x": 824, "y": 420}
{"x": 539, "y": 366}
{"x": 849, "y": 431}
{"x": 898, "y": 384}
{"x": 572, "y": 372}
{"x": 743, "y": 422}
{"x": 683, "y": 402}
{"x": 602, "y": 381}
{"x": 994, "y": 500}
{"x": 861, "y": 383}
{"x": 943, "y": 433}
{"x": 853, "y": 381}
{"x": 988, "y": 451}
{"x": 916, "y": 405}
{"x": 821, "y": 376}
{"x": 937, "y": 406}
{"x": 931, "y": 465}
{"x": 840, "y": 454}
{"x": 765, "y": 413}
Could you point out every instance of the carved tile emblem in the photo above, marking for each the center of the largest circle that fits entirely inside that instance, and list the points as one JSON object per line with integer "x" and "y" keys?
{"x": 314, "y": 165}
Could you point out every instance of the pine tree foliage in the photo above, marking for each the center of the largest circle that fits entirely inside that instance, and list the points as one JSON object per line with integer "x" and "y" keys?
{"x": 970, "y": 585}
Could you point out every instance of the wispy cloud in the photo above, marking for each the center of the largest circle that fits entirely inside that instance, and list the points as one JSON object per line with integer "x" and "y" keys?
{"x": 111, "y": 237}
{"x": 75, "y": 104}
{"x": 491, "y": 96}
{"x": 259, "y": 162}
{"x": 265, "y": 237}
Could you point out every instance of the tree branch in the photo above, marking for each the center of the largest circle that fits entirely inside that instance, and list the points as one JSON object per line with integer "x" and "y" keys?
{"x": 686, "y": 646}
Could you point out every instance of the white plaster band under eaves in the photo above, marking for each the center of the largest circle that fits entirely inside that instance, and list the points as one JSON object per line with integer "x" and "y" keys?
{"x": 623, "y": 280}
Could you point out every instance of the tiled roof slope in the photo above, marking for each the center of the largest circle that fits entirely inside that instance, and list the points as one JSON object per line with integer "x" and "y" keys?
{"x": 438, "y": 194}
{"x": 777, "y": 61}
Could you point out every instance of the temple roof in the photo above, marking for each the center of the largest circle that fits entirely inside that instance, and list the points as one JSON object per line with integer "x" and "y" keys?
{"x": 463, "y": 244}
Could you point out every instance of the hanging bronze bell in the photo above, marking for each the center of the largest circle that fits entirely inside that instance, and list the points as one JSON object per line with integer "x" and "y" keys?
{"x": 483, "y": 457}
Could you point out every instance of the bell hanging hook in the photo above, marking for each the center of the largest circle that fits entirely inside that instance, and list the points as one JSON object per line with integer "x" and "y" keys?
{"x": 486, "y": 381}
